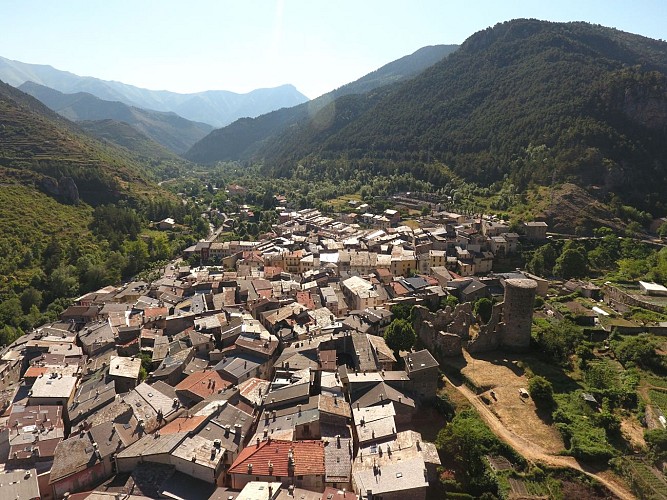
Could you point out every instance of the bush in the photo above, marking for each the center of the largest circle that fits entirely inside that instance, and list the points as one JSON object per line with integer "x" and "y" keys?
{"x": 541, "y": 390}
{"x": 656, "y": 440}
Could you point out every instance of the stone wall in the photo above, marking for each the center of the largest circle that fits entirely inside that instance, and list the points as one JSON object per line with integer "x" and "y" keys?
{"x": 444, "y": 332}
{"x": 613, "y": 294}
{"x": 428, "y": 327}
{"x": 488, "y": 337}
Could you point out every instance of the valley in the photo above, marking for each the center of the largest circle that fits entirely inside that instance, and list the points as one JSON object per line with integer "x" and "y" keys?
{"x": 445, "y": 279}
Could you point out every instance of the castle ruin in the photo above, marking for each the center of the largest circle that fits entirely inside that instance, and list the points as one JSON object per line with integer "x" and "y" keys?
{"x": 446, "y": 332}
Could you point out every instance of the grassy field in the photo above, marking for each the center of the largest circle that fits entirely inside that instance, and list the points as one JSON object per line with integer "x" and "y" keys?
{"x": 341, "y": 204}
{"x": 659, "y": 399}
{"x": 504, "y": 374}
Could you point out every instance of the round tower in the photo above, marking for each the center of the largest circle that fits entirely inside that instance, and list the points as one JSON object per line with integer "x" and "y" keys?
{"x": 518, "y": 313}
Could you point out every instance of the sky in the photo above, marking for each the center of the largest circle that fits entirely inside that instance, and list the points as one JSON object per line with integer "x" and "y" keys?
{"x": 196, "y": 45}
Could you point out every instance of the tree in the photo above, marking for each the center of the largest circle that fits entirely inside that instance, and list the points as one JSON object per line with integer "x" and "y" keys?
{"x": 559, "y": 340}
{"x": 656, "y": 440}
{"x": 483, "y": 307}
{"x": 137, "y": 256}
{"x": 11, "y": 312}
{"x": 543, "y": 260}
{"x": 63, "y": 282}
{"x": 30, "y": 297}
{"x": 638, "y": 350}
{"x": 541, "y": 390}
{"x": 571, "y": 264}
{"x": 467, "y": 440}
{"x": 401, "y": 311}
{"x": 400, "y": 335}
{"x": 450, "y": 301}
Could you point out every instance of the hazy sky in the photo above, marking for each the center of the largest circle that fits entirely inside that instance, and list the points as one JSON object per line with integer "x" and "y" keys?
{"x": 188, "y": 46}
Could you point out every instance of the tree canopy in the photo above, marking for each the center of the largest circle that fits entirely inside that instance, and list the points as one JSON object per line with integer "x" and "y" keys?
{"x": 400, "y": 335}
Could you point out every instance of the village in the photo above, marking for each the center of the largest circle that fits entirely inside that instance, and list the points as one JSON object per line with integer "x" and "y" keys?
{"x": 259, "y": 369}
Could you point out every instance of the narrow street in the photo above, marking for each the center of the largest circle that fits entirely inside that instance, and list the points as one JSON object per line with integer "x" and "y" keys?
{"x": 532, "y": 451}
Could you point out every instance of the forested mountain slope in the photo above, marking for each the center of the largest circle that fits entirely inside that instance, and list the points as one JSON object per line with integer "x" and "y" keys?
{"x": 167, "y": 129}
{"x": 246, "y": 137}
{"x": 535, "y": 101}
{"x": 73, "y": 211}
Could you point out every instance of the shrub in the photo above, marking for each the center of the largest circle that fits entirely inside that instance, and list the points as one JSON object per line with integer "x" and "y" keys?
{"x": 541, "y": 390}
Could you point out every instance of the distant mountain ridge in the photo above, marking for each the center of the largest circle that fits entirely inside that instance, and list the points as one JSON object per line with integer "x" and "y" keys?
{"x": 214, "y": 107}
{"x": 246, "y": 137}
{"x": 168, "y": 129}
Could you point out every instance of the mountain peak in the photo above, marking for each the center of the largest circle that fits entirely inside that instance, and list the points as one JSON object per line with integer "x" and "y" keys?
{"x": 214, "y": 107}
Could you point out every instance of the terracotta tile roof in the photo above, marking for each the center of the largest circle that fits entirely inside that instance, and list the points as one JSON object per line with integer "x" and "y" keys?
{"x": 398, "y": 288}
{"x": 35, "y": 371}
{"x": 271, "y": 272}
{"x": 305, "y": 299}
{"x": 203, "y": 384}
{"x": 308, "y": 458}
{"x": 183, "y": 424}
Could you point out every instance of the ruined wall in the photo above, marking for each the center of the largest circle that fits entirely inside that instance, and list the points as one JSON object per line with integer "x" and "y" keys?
{"x": 439, "y": 343}
{"x": 445, "y": 332}
{"x": 613, "y": 295}
{"x": 488, "y": 337}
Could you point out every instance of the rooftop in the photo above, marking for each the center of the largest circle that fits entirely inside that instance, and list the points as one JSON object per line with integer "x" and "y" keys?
{"x": 273, "y": 457}
{"x": 203, "y": 384}
{"x": 57, "y": 387}
{"x": 420, "y": 360}
{"x": 401, "y": 476}
{"x": 120, "y": 366}
{"x": 20, "y": 484}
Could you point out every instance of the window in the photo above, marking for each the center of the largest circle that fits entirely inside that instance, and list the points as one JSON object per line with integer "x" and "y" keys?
{"x": 299, "y": 478}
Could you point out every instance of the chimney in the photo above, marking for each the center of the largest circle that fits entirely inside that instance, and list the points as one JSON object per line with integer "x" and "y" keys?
{"x": 257, "y": 442}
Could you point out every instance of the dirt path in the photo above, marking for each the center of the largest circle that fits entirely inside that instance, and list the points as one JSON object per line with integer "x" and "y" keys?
{"x": 532, "y": 451}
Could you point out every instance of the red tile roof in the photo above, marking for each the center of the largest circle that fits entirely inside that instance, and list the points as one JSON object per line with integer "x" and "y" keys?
{"x": 398, "y": 288}
{"x": 152, "y": 312}
{"x": 35, "y": 371}
{"x": 182, "y": 424}
{"x": 203, "y": 384}
{"x": 305, "y": 299}
{"x": 308, "y": 458}
{"x": 271, "y": 272}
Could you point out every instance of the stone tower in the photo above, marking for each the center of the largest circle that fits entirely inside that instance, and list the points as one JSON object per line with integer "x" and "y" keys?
{"x": 517, "y": 313}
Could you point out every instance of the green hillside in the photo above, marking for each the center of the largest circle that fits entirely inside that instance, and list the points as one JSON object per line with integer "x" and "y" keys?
{"x": 168, "y": 129}
{"x": 536, "y": 101}
{"x": 73, "y": 213}
{"x": 124, "y": 135}
{"x": 247, "y": 137}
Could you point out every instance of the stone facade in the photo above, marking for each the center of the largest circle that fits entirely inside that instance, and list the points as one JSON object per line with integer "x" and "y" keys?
{"x": 518, "y": 313}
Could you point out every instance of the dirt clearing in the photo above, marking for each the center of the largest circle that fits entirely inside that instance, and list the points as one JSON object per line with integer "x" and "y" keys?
{"x": 500, "y": 378}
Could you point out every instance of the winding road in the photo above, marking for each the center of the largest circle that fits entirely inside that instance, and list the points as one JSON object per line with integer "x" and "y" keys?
{"x": 532, "y": 451}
